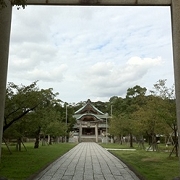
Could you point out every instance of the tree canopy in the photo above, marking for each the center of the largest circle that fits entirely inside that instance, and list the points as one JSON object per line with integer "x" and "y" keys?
{"x": 145, "y": 115}
{"x": 18, "y": 3}
{"x": 34, "y": 112}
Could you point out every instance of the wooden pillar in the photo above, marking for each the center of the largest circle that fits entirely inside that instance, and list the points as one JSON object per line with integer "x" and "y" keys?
{"x": 96, "y": 132}
{"x": 5, "y": 26}
{"x": 80, "y": 131}
{"x": 175, "y": 9}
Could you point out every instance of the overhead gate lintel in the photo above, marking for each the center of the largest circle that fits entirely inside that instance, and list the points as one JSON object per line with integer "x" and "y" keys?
{"x": 101, "y": 2}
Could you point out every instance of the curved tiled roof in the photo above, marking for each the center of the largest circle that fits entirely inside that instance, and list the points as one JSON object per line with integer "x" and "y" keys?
{"x": 88, "y": 103}
{"x": 89, "y": 114}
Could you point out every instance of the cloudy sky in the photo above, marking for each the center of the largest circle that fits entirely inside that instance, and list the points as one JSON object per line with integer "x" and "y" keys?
{"x": 90, "y": 52}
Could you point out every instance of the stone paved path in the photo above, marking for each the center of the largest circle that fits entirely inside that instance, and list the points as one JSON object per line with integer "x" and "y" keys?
{"x": 87, "y": 161}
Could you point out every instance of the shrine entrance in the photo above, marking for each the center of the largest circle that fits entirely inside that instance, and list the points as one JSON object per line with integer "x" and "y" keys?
{"x": 90, "y": 121}
{"x": 5, "y": 26}
{"x": 88, "y": 131}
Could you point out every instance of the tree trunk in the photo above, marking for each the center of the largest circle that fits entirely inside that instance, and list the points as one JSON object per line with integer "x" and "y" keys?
{"x": 50, "y": 140}
{"x": 36, "y": 144}
{"x": 131, "y": 140}
{"x": 120, "y": 139}
{"x": 149, "y": 138}
{"x": 154, "y": 143}
{"x": 57, "y": 139}
{"x": 18, "y": 145}
{"x": 176, "y": 142}
{"x": 43, "y": 140}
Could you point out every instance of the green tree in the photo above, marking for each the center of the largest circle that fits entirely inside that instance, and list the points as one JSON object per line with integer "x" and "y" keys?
{"x": 147, "y": 120}
{"x": 18, "y": 3}
{"x": 45, "y": 113}
{"x": 56, "y": 129}
{"x": 135, "y": 99}
{"x": 122, "y": 122}
{"x": 17, "y": 131}
{"x": 102, "y": 106}
{"x": 117, "y": 104}
{"x": 20, "y": 100}
{"x": 119, "y": 126}
{"x": 28, "y": 105}
{"x": 167, "y": 110}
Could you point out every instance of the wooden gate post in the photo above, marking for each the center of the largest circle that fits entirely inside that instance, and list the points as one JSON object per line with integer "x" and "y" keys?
{"x": 5, "y": 26}
{"x": 175, "y": 9}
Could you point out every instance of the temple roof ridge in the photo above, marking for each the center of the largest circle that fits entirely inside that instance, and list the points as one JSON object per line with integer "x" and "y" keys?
{"x": 97, "y": 117}
{"x": 88, "y": 102}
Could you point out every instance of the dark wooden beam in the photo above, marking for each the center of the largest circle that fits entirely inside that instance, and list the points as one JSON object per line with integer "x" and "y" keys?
{"x": 101, "y": 2}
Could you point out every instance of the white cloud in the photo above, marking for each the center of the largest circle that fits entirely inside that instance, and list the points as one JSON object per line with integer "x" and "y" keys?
{"x": 108, "y": 79}
{"x": 96, "y": 51}
{"x": 52, "y": 74}
{"x": 143, "y": 63}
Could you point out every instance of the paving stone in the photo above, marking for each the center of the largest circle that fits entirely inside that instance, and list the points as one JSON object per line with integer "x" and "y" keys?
{"x": 98, "y": 177}
{"x": 109, "y": 177}
{"x": 87, "y": 161}
{"x": 67, "y": 178}
{"x": 78, "y": 178}
{"x": 46, "y": 177}
{"x": 119, "y": 177}
{"x": 88, "y": 177}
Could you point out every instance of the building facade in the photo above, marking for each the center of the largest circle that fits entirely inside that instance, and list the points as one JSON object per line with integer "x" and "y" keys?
{"x": 91, "y": 123}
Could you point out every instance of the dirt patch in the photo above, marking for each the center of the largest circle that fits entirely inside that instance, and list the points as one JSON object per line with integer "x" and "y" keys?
{"x": 150, "y": 160}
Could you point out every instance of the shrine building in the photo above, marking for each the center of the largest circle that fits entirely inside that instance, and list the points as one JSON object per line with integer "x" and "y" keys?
{"x": 91, "y": 123}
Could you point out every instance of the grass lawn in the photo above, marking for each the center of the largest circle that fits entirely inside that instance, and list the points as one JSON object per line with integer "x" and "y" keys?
{"x": 21, "y": 165}
{"x": 150, "y": 165}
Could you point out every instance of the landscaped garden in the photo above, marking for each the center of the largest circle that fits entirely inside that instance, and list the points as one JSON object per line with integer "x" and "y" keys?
{"x": 37, "y": 114}
{"x": 148, "y": 165}
{"x": 22, "y": 165}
